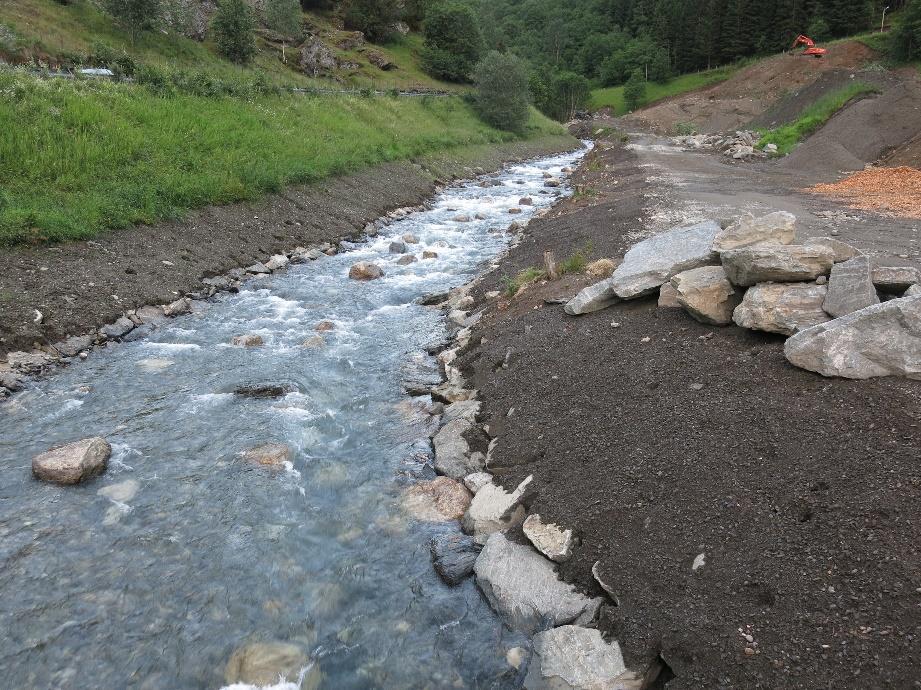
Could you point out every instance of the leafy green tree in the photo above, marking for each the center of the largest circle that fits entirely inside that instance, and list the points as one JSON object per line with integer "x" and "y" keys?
{"x": 414, "y": 12}
{"x": 639, "y": 54}
{"x": 819, "y": 30}
{"x": 502, "y": 91}
{"x": 374, "y": 18}
{"x": 453, "y": 43}
{"x": 234, "y": 27}
{"x": 135, "y": 15}
{"x": 906, "y": 36}
{"x": 634, "y": 90}
{"x": 560, "y": 94}
{"x": 285, "y": 17}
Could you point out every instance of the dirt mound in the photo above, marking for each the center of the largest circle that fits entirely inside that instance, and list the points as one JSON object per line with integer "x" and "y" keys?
{"x": 892, "y": 191}
{"x": 750, "y": 92}
{"x": 907, "y": 154}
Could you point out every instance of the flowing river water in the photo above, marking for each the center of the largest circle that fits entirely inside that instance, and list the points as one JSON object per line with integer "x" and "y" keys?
{"x": 151, "y": 575}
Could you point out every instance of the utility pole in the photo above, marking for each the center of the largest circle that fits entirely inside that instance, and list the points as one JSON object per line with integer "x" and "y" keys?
{"x": 882, "y": 24}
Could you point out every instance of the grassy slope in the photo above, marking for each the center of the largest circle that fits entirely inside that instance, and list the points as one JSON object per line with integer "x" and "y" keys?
{"x": 816, "y": 115}
{"x": 613, "y": 97}
{"x": 84, "y": 156}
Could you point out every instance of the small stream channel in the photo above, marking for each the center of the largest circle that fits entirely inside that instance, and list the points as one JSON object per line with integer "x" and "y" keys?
{"x": 153, "y": 574}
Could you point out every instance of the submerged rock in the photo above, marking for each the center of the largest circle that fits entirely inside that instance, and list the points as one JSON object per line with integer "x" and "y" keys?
{"x": 782, "y": 307}
{"x": 707, "y": 294}
{"x": 786, "y": 263}
{"x": 774, "y": 228}
{"x": 265, "y": 391}
{"x": 850, "y": 287}
{"x": 406, "y": 260}
{"x": 552, "y": 541}
{"x": 453, "y": 556}
{"x": 74, "y": 462}
{"x": 522, "y": 586}
{"x": 881, "y": 340}
{"x": 574, "y": 658}
{"x": 269, "y": 454}
{"x": 249, "y": 340}
{"x": 265, "y": 663}
{"x": 439, "y": 500}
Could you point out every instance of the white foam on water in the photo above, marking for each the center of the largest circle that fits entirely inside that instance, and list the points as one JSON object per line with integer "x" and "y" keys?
{"x": 281, "y": 684}
{"x": 171, "y": 347}
{"x": 120, "y": 453}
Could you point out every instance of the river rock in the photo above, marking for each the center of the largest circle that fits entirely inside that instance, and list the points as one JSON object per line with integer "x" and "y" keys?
{"x": 439, "y": 500}
{"x": 365, "y": 270}
{"x": 782, "y": 307}
{"x": 525, "y": 201}
{"x": 552, "y": 183}
{"x": 258, "y": 268}
{"x": 248, "y": 340}
{"x": 592, "y": 298}
{"x": 269, "y": 455}
{"x": 465, "y": 409}
{"x": 552, "y": 541}
{"x": 707, "y": 294}
{"x": 652, "y": 262}
{"x": 881, "y": 340}
{"x": 410, "y": 238}
{"x": 895, "y": 279}
{"x": 28, "y": 362}
{"x": 494, "y": 509}
{"x": 452, "y": 452}
{"x": 264, "y": 663}
{"x": 406, "y": 260}
{"x": 453, "y": 556}
{"x": 850, "y": 287}
{"x": 73, "y": 462}
{"x": 264, "y": 391}
{"x": 477, "y": 480}
{"x": 782, "y": 263}
{"x": 523, "y": 588}
{"x": 120, "y": 492}
{"x": 668, "y": 297}
{"x": 397, "y": 247}
{"x": 73, "y": 346}
{"x": 461, "y": 218}
{"x": 276, "y": 262}
{"x": 774, "y": 228}
{"x": 429, "y": 254}
{"x": 122, "y": 327}
{"x": 181, "y": 306}
{"x": 842, "y": 250}
{"x": 151, "y": 314}
{"x": 571, "y": 657}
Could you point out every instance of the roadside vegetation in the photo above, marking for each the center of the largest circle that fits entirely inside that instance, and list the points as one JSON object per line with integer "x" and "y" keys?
{"x": 814, "y": 117}
{"x": 615, "y": 99}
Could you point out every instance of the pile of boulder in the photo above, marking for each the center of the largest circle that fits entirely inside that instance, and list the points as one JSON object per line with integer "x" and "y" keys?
{"x": 740, "y": 145}
{"x": 845, "y": 316}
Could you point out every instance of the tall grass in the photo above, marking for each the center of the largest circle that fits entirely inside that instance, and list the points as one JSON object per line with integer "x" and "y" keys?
{"x": 814, "y": 117}
{"x": 613, "y": 97}
{"x": 80, "y": 157}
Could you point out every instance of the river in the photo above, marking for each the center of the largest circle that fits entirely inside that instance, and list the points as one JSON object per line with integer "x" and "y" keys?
{"x": 151, "y": 575}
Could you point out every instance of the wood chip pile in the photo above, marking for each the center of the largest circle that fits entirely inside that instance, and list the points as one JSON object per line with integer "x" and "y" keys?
{"x": 891, "y": 191}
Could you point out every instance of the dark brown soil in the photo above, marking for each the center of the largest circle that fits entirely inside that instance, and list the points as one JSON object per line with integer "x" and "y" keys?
{"x": 802, "y": 492}
{"x": 81, "y": 286}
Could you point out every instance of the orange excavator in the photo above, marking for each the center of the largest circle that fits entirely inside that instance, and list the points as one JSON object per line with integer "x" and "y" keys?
{"x": 811, "y": 48}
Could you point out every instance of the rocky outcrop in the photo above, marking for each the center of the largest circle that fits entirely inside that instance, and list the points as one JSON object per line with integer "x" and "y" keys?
{"x": 493, "y": 509}
{"x": 881, "y": 340}
{"x": 850, "y": 287}
{"x": 552, "y": 541}
{"x": 453, "y": 556}
{"x": 439, "y": 500}
{"x": 706, "y": 294}
{"x": 782, "y": 307}
{"x": 523, "y": 588}
{"x": 380, "y": 61}
{"x": 574, "y": 658}
{"x": 316, "y": 58}
{"x": 774, "y": 228}
{"x": 74, "y": 462}
{"x": 782, "y": 263}
{"x": 895, "y": 279}
{"x": 365, "y": 270}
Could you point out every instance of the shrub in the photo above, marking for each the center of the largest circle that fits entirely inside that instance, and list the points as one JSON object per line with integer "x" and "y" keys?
{"x": 234, "y": 27}
{"x": 453, "y": 43}
{"x": 634, "y": 90}
{"x": 285, "y": 17}
{"x": 502, "y": 91}
{"x": 135, "y": 15}
{"x": 374, "y": 18}
{"x": 514, "y": 285}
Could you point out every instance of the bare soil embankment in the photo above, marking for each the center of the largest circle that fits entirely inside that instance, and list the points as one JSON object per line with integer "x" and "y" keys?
{"x": 662, "y": 439}
{"x": 81, "y": 286}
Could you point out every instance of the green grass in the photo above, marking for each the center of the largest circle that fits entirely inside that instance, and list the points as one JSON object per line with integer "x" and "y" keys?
{"x": 513, "y": 285}
{"x": 820, "y": 112}
{"x": 613, "y": 97}
{"x": 80, "y": 157}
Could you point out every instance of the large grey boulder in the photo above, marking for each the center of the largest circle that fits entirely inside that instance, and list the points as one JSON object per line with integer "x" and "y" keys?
{"x": 74, "y": 345}
{"x": 494, "y": 509}
{"x": 774, "y": 228}
{"x": 652, "y": 262}
{"x": 882, "y": 340}
{"x": 781, "y": 263}
{"x": 782, "y": 307}
{"x": 122, "y": 327}
{"x": 843, "y": 251}
{"x": 895, "y": 279}
{"x": 73, "y": 462}
{"x": 574, "y": 658}
{"x": 592, "y": 298}
{"x": 707, "y": 294}
{"x": 523, "y": 588}
{"x": 850, "y": 287}
{"x": 453, "y": 556}
{"x": 452, "y": 452}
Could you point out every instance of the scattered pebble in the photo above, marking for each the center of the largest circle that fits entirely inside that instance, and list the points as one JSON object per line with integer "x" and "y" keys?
{"x": 646, "y": 339}
{"x": 697, "y": 386}
{"x": 615, "y": 324}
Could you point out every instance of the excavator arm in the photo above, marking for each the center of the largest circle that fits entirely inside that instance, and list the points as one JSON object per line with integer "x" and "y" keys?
{"x": 811, "y": 48}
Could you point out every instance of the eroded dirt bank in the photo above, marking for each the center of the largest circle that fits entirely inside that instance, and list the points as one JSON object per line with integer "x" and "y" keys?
{"x": 80, "y": 286}
{"x": 661, "y": 439}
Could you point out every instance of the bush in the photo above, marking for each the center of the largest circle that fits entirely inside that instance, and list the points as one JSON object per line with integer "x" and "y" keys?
{"x": 234, "y": 26}
{"x": 635, "y": 90}
{"x": 285, "y": 17}
{"x": 374, "y": 18}
{"x": 502, "y": 91}
{"x": 453, "y": 43}
{"x": 135, "y": 15}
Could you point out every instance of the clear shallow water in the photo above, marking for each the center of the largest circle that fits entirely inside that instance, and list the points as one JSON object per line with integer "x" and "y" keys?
{"x": 157, "y": 589}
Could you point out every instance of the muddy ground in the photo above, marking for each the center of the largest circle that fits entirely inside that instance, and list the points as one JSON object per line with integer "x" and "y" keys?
{"x": 81, "y": 286}
{"x": 801, "y": 492}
